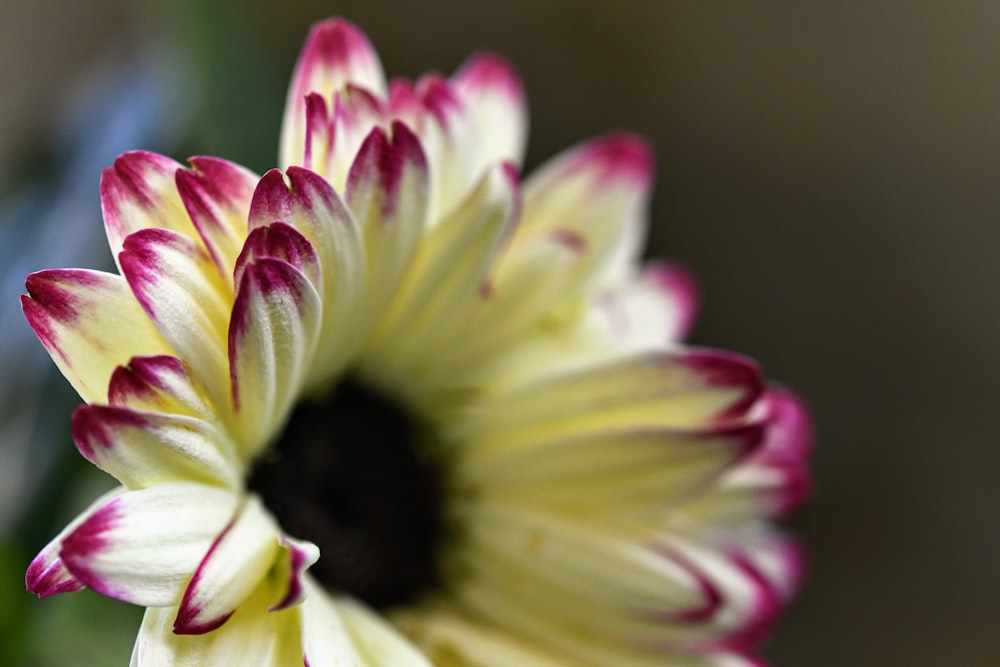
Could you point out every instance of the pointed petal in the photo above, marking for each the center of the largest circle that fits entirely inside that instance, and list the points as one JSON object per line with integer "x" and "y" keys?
{"x": 494, "y": 96}
{"x": 308, "y": 203}
{"x": 272, "y": 340}
{"x": 387, "y": 190}
{"x": 139, "y": 192}
{"x": 446, "y": 276}
{"x": 216, "y": 194}
{"x": 178, "y": 286}
{"x": 599, "y": 191}
{"x": 336, "y": 53}
{"x": 232, "y": 569}
{"x": 90, "y": 322}
{"x": 143, "y": 546}
{"x": 252, "y": 637}
{"x": 141, "y": 449}
{"x": 47, "y": 575}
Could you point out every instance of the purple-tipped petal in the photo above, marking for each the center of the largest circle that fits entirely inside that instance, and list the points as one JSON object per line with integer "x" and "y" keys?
{"x": 47, "y": 574}
{"x": 180, "y": 288}
{"x": 90, "y": 323}
{"x": 139, "y": 192}
{"x": 143, "y": 546}
{"x": 233, "y": 568}
{"x": 493, "y": 93}
{"x": 216, "y": 194}
{"x": 301, "y": 556}
{"x": 141, "y": 449}
{"x": 601, "y": 189}
{"x": 282, "y": 242}
{"x": 268, "y": 371}
{"x": 336, "y": 54}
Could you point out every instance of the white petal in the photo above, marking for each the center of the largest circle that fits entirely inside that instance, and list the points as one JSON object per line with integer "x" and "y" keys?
{"x": 379, "y": 643}
{"x": 494, "y": 97}
{"x": 252, "y": 637}
{"x": 599, "y": 192}
{"x": 232, "y": 569}
{"x": 335, "y": 54}
{"x": 143, "y": 546}
{"x": 47, "y": 575}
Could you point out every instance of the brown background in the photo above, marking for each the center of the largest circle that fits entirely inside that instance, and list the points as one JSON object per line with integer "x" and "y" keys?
{"x": 829, "y": 170}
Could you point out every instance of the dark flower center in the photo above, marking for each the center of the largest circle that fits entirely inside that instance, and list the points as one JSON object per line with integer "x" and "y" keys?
{"x": 347, "y": 475}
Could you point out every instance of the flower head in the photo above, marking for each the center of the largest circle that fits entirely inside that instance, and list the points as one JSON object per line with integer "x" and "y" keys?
{"x": 391, "y": 371}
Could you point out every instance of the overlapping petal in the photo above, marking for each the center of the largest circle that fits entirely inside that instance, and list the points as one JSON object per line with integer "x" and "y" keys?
{"x": 610, "y": 488}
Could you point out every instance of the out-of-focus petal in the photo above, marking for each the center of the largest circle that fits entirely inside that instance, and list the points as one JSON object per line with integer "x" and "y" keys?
{"x": 336, "y": 53}
{"x": 598, "y": 190}
{"x": 494, "y": 97}
{"x": 387, "y": 190}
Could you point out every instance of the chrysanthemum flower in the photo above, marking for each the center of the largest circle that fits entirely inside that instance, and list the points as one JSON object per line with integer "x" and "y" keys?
{"x": 391, "y": 373}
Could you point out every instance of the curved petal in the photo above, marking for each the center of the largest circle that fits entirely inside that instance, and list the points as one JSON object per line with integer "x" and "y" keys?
{"x": 451, "y": 638}
{"x": 47, "y": 574}
{"x": 688, "y": 389}
{"x": 141, "y": 449}
{"x": 309, "y": 203}
{"x": 272, "y": 340}
{"x": 494, "y": 96}
{"x": 336, "y": 53}
{"x": 599, "y": 191}
{"x": 178, "y": 286}
{"x": 387, "y": 190}
{"x": 604, "y": 593}
{"x": 216, "y": 194}
{"x": 252, "y": 637}
{"x": 139, "y": 192}
{"x": 159, "y": 383}
{"x": 379, "y": 643}
{"x": 232, "y": 569}
{"x": 90, "y": 322}
{"x": 143, "y": 546}
{"x": 653, "y": 311}
{"x": 447, "y": 274}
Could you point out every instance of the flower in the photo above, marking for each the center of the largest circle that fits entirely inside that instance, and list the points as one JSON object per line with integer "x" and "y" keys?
{"x": 391, "y": 372}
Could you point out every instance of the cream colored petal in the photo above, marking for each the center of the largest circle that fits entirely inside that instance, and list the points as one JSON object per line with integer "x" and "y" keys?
{"x": 90, "y": 322}
{"x": 455, "y": 640}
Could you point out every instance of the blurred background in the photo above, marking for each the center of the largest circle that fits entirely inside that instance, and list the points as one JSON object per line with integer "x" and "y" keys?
{"x": 828, "y": 169}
